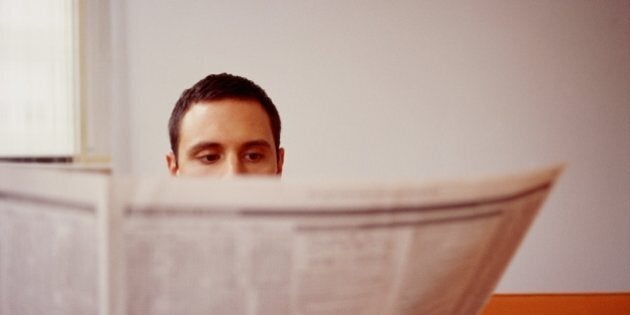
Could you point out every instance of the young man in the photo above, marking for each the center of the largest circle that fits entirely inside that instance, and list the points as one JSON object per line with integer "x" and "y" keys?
{"x": 224, "y": 125}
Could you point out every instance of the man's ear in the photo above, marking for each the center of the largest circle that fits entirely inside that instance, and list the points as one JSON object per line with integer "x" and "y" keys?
{"x": 280, "y": 161}
{"x": 171, "y": 163}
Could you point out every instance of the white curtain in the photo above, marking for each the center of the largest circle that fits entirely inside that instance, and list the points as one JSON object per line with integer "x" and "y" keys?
{"x": 38, "y": 78}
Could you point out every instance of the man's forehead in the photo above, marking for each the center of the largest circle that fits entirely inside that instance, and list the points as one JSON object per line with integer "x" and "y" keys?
{"x": 226, "y": 119}
{"x": 227, "y": 100}
{"x": 241, "y": 106}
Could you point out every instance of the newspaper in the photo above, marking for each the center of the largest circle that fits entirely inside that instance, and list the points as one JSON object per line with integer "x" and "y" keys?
{"x": 74, "y": 243}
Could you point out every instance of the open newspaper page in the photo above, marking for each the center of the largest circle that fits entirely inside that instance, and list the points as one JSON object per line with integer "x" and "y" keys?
{"x": 49, "y": 241}
{"x": 188, "y": 246}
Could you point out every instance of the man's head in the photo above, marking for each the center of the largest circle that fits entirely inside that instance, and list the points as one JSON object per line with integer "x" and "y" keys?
{"x": 225, "y": 125}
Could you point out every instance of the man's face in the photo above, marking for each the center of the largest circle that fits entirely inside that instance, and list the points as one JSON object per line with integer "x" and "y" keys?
{"x": 224, "y": 138}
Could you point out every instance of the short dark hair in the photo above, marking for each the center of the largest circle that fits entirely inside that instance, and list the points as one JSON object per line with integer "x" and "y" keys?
{"x": 217, "y": 87}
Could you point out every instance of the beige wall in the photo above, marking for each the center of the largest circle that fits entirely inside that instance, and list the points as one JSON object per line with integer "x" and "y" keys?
{"x": 413, "y": 89}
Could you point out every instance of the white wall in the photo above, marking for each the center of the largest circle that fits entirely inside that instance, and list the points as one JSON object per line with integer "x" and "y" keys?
{"x": 413, "y": 89}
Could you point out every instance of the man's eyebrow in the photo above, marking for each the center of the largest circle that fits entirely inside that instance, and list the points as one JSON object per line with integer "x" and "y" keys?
{"x": 203, "y": 146}
{"x": 257, "y": 143}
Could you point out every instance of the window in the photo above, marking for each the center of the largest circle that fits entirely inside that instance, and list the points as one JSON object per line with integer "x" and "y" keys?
{"x": 39, "y": 89}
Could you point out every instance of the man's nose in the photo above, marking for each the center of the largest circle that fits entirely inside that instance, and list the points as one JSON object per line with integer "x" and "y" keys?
{"x": 234, "y": 166}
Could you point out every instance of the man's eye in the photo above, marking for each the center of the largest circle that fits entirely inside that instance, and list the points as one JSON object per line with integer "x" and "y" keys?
{"x": 253, "y": 157}
{"x": 209, "y": 158}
